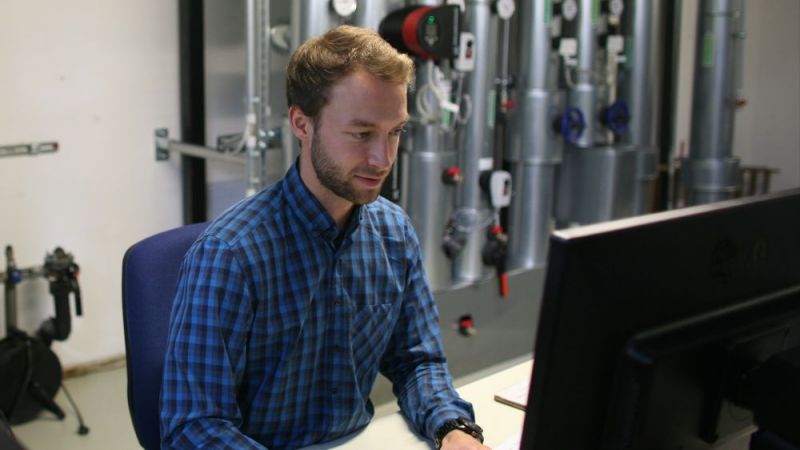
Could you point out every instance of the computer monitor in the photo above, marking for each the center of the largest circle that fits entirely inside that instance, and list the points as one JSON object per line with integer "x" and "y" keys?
{"x": 651, "y": 327}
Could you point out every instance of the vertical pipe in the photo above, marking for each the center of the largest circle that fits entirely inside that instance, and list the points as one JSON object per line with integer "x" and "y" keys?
{"x": 536, "y": 152}
{"x": 10, "y": 287}
{"x": 257, "y": 93}
{"x": 642, "y": 70}
{"x": 370, "y": 13}
{"x": 310, "y": 18}
{"x": 711, "y": 170}
{"x": 428, "y": 202}
{"x": 637, "y": 83}
{"x": 583, "y": 94}
{"x": 472, "y": 213}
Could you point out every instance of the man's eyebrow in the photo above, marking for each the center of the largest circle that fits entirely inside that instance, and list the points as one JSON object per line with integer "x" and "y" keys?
{"x": 368, "y": 124}
{"x": 361, "y": 123}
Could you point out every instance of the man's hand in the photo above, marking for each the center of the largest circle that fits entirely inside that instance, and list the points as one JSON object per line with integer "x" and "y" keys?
{"x": 458, "y": 440}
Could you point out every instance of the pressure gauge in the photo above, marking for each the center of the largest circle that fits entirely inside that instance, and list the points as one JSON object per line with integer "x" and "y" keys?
{"x": 344, "y": 8}
{"x": 569, "y": 9}
{"x": 505, "y": 8}
{"x": 615, "y": 7}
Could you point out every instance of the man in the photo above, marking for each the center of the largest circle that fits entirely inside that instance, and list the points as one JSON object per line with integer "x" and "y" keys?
{"x": 293, "y": 299}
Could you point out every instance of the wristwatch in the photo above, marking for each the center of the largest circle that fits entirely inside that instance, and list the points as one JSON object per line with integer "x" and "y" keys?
{"x": 465, "y": 425}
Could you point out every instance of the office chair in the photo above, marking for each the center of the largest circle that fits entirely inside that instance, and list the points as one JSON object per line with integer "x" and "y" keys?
{"x": 149, "y": 276}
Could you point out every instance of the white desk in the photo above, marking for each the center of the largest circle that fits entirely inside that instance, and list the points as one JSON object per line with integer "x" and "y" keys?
{"x": 499, "y": 421}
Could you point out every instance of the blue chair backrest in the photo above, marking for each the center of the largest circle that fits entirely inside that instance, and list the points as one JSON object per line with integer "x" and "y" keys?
{"x": 149, "y": 276}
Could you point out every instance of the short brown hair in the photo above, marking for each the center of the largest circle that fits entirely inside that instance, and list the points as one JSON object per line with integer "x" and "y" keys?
{"x": 322, "y": 61}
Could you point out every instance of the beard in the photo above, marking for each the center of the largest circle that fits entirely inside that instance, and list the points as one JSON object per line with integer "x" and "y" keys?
{"x": 334, "y": 178}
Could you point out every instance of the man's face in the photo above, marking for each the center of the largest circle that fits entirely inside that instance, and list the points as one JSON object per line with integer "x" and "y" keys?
{"x": 356, "y": 136}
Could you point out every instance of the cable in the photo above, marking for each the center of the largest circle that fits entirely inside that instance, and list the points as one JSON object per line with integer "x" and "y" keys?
{"x": 429, "y": 110}
{"x": 82, "y": 428}
{"x": 466, "y": 220}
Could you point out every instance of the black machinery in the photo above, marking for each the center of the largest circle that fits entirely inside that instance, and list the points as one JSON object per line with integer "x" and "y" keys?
{"x": 30, "y": 372}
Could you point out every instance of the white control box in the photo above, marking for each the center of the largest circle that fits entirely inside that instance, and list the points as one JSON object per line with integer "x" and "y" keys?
{"x": 465, "y": 62}
{"x": 500, "y": 189}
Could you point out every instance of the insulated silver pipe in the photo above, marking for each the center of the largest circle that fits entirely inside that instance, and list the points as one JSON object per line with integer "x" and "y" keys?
{"x": 472, "y": 213}
{"x": 427, "y": 200}
{"x": 257, "y": 93}
{"x": 583, "y": 94}
{"x": 310, "y": 18}
{"x": 369, "y": 13}
{"x": 711, "y": 170}
{"x": 640, "y": 89}
{"x": 637, "y": 83}
{"x": 426, "y": 155}
{"x": 535, "y": 150}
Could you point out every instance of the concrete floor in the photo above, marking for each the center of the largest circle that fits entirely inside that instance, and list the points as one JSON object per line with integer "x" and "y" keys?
{"x": 102, "y": 400}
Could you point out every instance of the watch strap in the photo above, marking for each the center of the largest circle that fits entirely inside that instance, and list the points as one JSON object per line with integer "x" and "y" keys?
{"x": 461, "y": 424}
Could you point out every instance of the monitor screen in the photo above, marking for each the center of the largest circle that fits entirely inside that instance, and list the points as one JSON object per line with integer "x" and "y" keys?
{"x": 650, "y": 326}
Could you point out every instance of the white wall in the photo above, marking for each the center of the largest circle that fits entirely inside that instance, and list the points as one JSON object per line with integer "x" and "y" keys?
{"x": 98, "y": 77}
{"x": 767, "y": 129}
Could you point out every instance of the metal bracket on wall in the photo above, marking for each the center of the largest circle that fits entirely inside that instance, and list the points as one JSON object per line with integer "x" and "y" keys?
{"x": 29, "y": 149}
{"x": 165, "y": 145}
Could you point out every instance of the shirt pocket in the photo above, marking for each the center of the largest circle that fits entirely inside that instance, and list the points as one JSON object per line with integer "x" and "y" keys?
{"x": 371, "y": 327}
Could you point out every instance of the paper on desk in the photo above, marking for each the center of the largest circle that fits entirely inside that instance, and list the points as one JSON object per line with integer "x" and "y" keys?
{"x": 512, "y": 443}
{"x": 515, "y": 395}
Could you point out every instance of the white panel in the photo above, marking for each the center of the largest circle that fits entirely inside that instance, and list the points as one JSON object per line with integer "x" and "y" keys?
{"x": 98, "y": 77}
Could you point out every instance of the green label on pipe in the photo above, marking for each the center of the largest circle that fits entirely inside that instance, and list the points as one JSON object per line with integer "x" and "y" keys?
{"x": 492, "y": 109}
{"x": 708, "y": 49}
{"x": 595, "y": 11}
{"x": 548, "y": 11}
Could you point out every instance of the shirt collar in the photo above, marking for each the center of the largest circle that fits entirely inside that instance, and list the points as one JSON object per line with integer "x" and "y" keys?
{"x": 310, "y": 212}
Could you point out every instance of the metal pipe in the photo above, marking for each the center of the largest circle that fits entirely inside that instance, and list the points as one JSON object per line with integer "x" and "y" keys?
{"x": 370, "y": 13}
{"x": 536, "y": 151}
{"x": 198, "y": 151}
{"x": 711, "y": 169}
{"x": 583, "y": 94}
{"x": 257, "y": 93}
{"x": 310, "y": 18}
{"x": 637, "y": 83}
{"x": 642, "y": 71}
{"x": 428, "y": 202}
{"x": 472, "y": 213}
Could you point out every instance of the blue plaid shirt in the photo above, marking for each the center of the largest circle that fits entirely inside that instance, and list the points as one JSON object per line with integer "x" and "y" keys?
{"x": 280, "y": 326}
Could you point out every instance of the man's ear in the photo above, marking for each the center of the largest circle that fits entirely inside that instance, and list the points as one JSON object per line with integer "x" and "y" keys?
{"x": 302, "y": 125}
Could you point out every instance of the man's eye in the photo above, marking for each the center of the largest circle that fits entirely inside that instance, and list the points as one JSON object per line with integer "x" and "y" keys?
{"x": 361, "y": 135}
{"x": 398, "y": 132}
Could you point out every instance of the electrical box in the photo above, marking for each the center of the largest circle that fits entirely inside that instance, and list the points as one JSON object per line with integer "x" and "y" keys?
{"x": 465, "y": 61}
{"x": 427, "y": 32}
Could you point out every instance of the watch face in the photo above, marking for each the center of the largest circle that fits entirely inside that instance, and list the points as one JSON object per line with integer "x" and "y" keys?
{"x": 344, "y": 8}
{"x": 569, "y": 9}
{"x": 505, "y": 8}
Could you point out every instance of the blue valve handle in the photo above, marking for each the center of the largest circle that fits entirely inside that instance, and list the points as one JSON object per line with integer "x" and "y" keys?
{"x": 617, "y": 117}
{"x": 572, "y": 124}
{"x": 14, "y": 276}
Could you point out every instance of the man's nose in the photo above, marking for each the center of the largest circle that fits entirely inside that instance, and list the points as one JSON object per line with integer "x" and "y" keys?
{"x": 381, "y": 153}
